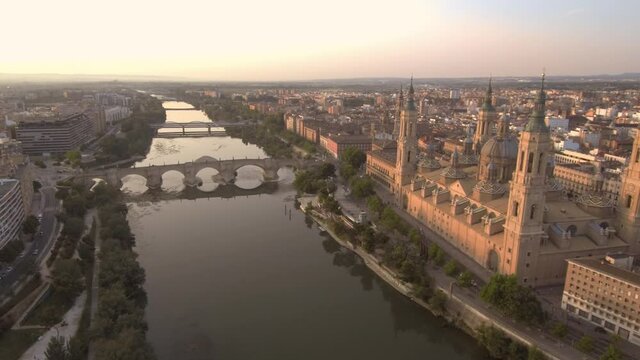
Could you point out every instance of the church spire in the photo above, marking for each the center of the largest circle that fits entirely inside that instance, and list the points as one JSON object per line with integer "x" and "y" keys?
{"x": 536, "y": 119}
{"x": 487, "y": 104}
{"x": 411, "y": 105}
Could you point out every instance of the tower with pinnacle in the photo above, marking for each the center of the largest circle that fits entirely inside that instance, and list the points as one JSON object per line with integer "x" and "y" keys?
{"x": 628, "y": 209}
{"x": 407, "y": 154}
{"x": 523, "y": 230}
{"x": 486, "y": 119}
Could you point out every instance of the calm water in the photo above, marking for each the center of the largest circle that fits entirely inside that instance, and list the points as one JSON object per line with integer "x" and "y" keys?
{"x": 246, "y": 278}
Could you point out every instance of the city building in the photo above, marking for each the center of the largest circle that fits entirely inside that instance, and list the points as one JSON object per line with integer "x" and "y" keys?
{"x": 606, "y": 292}
{"x": 508, "y": 213}
{"x": 54, "y": 135}
{"x": 11, "y": 210}
{"x": 335, "y": 145}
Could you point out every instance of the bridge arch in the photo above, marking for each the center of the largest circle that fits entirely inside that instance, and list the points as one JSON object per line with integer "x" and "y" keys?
{"x": 172, "y": 180}
{"x": 134, "y": 183}
{"x": 207, "y": 177}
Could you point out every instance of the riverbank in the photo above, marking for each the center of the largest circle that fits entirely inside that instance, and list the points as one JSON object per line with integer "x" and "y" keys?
{"x": 461, "y": 310}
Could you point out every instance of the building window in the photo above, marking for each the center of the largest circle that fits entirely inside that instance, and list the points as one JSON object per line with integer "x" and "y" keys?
{"x": 530, "y": 163}
{"x": 629, "y": 200}
{"x": 533, "y": 211}
{"x": 521, "y": 159}
{"x": 515, "y": 208}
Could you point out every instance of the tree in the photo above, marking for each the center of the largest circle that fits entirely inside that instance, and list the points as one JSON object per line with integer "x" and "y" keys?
{"x": 585, "y": 344}
{"x": 73, "y": 227}
{"x": 354, "y": 157}
{"x": 67, "y": 278}
{"x": 73, "y": 156}
{"x": 514, "y": 300}
{"x": 438, "y": 302}
{"x": 559, "y": 330}
{"x": 612, "y": 353}
{"x": 535, "y": 354}
{"x": 495, "y": 341}
{"x": 375, "y": 205}
{"x": 361, "y": 187}
{"x": 36, "y": 186}
{"x": 56, "y": 349}
{"x": 30, "y": 225}
{"x": 347, "y": 171}
{"x": 451, "y": 268}
{"x": 464, "y": 279}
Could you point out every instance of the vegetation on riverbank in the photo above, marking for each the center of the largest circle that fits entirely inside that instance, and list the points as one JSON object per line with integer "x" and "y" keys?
{"x": 15, "y": 342}
{"x": 136, "y": 135}
{"x": 119, "y": 328}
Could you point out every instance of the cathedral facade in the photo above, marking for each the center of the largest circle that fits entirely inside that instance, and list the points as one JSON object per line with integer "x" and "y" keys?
{"x": 507, "y": 212}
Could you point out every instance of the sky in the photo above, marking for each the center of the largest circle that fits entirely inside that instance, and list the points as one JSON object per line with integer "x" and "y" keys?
{"x": 266, "y": 40}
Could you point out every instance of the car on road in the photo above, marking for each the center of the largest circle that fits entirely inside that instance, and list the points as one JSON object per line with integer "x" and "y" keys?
{"x": 22, "y": 254}
{"x": 35, "y": 252}
{"x": 9, "y": 269}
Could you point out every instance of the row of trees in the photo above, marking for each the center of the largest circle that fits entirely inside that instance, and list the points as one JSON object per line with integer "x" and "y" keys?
{"x": 500, "y": 346}
{"x": 119, "y": 329}
{"x": 137, "y": 133}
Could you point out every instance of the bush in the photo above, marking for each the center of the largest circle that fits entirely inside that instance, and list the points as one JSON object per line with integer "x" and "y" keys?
{"x": 30, "y": 225}
{"x": 40, "y": 164}
{"x": 464, "y": 279}
{"x": 559, "y": 330}
{"x": 585, "y": 344}
{"x": 438, "y": 302}
{"x": 451, "y": 268}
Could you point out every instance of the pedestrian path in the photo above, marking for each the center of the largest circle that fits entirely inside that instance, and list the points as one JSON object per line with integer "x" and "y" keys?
{"x": 71, "y": 321}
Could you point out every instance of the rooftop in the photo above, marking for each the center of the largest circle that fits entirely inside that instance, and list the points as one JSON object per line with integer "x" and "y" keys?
{"x": 602, "y": 266}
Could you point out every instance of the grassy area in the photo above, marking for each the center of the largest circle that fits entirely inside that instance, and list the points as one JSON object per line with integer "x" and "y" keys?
{"x": 15, "y": 342}
{"x": 50, "y": 310}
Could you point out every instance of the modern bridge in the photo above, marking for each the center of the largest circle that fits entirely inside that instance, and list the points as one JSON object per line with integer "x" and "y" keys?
{"x": 227, "y": 170}
{"x": 213, "y": 128}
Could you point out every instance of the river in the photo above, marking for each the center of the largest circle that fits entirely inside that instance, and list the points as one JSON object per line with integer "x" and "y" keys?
{"x": 246, "y": 277}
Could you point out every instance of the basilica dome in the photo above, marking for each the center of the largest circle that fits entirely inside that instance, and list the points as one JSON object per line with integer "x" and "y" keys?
{"x": 500, "y": 148}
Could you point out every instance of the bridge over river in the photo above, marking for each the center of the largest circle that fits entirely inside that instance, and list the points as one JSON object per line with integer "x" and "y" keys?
{"x": 227, "y": 170}
{"x": 194, "y": 128}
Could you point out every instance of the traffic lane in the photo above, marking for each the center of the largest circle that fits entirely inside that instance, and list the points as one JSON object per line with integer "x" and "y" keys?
{"x": 40, "y": 243}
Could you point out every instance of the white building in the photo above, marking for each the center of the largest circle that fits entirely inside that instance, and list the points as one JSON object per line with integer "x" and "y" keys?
{"x": 11, "y": 210}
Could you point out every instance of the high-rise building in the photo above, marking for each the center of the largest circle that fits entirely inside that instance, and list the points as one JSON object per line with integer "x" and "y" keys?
{"x": 11, "y": 210}
{"x": 54, "y": 135}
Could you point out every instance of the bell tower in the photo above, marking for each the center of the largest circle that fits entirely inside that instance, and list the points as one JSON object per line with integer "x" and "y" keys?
{"x": 628, "y": 209}
{"x": 486, "y": 118}
{"x": 523, "y": 226}
{"x": 407, "y": 154}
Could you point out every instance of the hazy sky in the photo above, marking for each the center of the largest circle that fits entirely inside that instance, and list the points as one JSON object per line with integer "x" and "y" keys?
{"x": 292, "y": 40}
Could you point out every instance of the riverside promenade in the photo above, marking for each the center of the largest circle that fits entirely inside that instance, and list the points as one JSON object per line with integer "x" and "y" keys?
{"x": 470, "y": 310}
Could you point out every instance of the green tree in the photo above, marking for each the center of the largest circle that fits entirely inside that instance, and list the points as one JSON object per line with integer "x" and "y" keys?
{"x": 73, "y": 156}
{"x": 73, "y": 227}
{"x": 375, "y": 205}
{"x": 30, "y": 225}
{"x": 361, "y": 187}
{"x": 464, "y": 279}
{"x": 347, "y": 171}
{"x": 451, "y": 268}
{"x": 514, "y": 300}
{"x": 535, "y": 354}
{"x": 36, "y": 186}
{"x": 57, "y": 349}
{"x": 494, "y": 340}
{"x": 559, "y": 330}
{"x": 438, "y": 302}
{"x": 585, "y": 344}
{"x": 354, "y": 157}
{"x": 612, "y": 353}
{"x": 67, "y": 278}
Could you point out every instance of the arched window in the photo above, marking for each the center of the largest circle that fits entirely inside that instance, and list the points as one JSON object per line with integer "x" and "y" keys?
{"x": 409, "y": 156}
{"x": 533, "y": 211}
{"x": 521, "y": 159}
{"x": 515, "y": 208}
{"x": 530, "y": 163}
{"x": 629, "y": 200}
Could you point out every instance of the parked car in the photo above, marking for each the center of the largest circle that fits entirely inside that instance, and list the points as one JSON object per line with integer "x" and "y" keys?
{"x": 35, "y": 252}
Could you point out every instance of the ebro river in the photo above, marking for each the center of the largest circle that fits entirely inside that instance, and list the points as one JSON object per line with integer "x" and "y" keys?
{"x": 236, "y": 273}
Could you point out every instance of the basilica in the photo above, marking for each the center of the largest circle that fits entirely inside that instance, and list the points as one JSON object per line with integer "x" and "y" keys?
{"x": 497, "y": 200}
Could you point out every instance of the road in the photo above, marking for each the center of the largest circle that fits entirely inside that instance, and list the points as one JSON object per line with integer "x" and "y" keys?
{"x": 42, "y": 243}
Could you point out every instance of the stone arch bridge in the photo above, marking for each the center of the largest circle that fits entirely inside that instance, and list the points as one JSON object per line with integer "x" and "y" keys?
{"x": 227, "y": 170}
